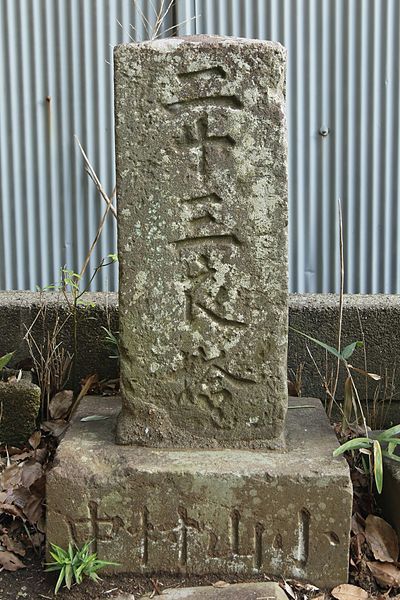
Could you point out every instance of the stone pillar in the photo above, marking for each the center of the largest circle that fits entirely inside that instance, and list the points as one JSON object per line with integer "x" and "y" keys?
{"x": 202, "y": 210}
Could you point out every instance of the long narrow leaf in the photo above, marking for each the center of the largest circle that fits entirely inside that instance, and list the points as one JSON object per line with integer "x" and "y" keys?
{"x": 70, "y": 552}
{"x": 395, "y": 440}
{"x": 373, "y": 376}
{"x": 68, "y": 576}
{"x": 60, "y": 580}
{"x": 322, "y": 344}
{"x": 391, "y": 456}
{"x": 57, "y": 557}
{"x": 348, "y": 402}
{"x": 60, "y": 551}
{"x": 391, "y": 432}
{"x": 378, "y": 466}
{"x": 105, "y": 563}
{"x": 348, "y": 350}
{"x": 354, "y": 444}
{"x": 52, "y": 567}
{"x": 4, "y": 360}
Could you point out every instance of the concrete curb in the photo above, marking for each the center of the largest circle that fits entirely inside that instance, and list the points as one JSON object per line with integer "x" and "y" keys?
{"x": 372, "y": 318}
{"x": 375, "y": 318}
{"x": 18, "y": 310}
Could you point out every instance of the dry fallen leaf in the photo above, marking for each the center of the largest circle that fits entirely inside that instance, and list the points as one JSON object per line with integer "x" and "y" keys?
{"x": 221, "y": 584}
{"x": 10, "y": 509}
{"x": 11, "y": 477}
{"x": 36, "y": 539}
{"x": 33, "y": 509}
{"x": 60, "y": 404}
{"x": 56, "y": 428}
{"x": 34, "y": 440}
{"x": 357, "y": 524}
{"x": 382, "y": 538}
{"x": 12, "y": 545}
{"x": 386, "y": 573}
{"x": 31, "y": 472}
{"x": 288, "y": 589}
{"x": 10, "y": 562}
{"x": 21, "y": 456}
{"x": 349, "y": 592}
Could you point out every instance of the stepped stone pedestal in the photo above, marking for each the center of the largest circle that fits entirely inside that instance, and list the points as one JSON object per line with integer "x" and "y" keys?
{"x": 205, "y": 511}
{"x": 208, "y": 477}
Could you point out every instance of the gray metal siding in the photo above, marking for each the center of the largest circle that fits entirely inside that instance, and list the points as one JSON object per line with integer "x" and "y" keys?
{"x": 56, "y": 81}
{"x": 343, "y": 76}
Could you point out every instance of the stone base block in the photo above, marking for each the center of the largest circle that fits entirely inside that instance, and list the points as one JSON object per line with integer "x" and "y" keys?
{"x": 240, "y": 591}
{"x": 205, "y": 511}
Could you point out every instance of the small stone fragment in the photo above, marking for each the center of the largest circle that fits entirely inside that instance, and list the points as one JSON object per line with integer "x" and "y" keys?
{"x": 60, "y": 404}
{"x": 19, "y": 408}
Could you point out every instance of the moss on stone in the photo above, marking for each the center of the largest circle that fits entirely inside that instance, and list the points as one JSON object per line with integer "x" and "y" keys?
{"x": 19, "y": 408}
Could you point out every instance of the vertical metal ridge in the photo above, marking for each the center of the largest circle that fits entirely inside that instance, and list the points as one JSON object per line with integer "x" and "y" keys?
{"x": 343, "y": 74}
{"x": 395, "y": 218}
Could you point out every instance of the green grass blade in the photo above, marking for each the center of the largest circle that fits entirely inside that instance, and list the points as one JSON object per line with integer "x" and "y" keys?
{"x": 330, "y": 349}
{"x": 104, "y": 563}
{"x": 59, "y": 580}
{"x": 348, "y": 350}
{"x": 378, "y": 466}
{"x": 68, "y": 576}
{"x": 59, "y": 551}
{"x": 394, "y": 441}
{"x": 389, "y": 433}
{"x": 52, "y": 567}
{"x": 353, "y": 444}
{"x": 391, "y": 456}
{"x": 4, "y": 360}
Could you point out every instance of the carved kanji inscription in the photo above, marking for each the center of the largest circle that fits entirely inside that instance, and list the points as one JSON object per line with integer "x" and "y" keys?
{"x": 202, "y": 243}
{"x": 185, "y": 536}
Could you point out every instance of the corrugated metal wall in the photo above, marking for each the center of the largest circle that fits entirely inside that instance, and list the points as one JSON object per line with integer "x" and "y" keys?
{"x": 344, "y": 134}
{"x": 56, "y": 81}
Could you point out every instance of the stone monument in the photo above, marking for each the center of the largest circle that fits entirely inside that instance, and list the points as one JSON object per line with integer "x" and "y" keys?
{"x": 203, "y": 479}
{"x": 202, "y": 241}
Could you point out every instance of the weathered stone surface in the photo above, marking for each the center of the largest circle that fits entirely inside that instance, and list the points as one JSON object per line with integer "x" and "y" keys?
{"x": 202, "y": 196}
{"x": 19, "y": 408}
{"x": 205, "y": 511}
{"x": 240, "y": 591}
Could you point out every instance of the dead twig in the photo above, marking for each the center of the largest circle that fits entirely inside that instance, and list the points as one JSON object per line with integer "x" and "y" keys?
{"x": 156, "y": 588}
{"x": 92, "y": 174}
{"x": 341, "y": 294}
{"x": 97, "y": 236}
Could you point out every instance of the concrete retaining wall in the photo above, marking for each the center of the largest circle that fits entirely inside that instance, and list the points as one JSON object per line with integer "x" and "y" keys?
{"x": 18, "y": 310}
{"x": 374, "y": 318}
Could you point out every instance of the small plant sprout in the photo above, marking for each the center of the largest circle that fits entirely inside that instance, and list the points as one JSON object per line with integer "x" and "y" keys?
{"x": 74, "y": 564}
{"x": 4, "y": 360}
{"x": 352, "y": 400}
{"x": 384, "y": 444}
{"x": 111, "y": 340}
